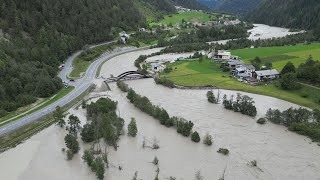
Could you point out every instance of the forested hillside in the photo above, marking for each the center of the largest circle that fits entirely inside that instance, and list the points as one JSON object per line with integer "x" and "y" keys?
{"x": 37, "y": 36}
{"x": 192, "y": 4}
{"x": 302, "y": 14}
{"x": 241, "y": 7}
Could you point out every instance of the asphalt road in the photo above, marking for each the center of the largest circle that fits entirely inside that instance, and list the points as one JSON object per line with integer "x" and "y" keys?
{"x": 80, "y": 86}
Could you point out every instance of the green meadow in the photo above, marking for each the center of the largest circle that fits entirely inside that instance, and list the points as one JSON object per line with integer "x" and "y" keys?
{"x": 195, "y": 73}
{"x": 187, "y": 16}
{"x": 280, "y": 55}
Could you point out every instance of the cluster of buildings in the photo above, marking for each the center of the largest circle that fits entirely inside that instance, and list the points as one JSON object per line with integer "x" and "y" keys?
{"x": 225, "y": 22}
{"x": 240, "y": 70}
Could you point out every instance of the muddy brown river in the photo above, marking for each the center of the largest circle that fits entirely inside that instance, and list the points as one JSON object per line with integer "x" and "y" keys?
{"x": 280, "y": 154}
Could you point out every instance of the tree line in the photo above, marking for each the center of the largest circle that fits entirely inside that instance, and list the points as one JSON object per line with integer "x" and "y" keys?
{"x": 301, "y": 121}
{"x": 182, "y": 126}
{"x": 243, "y": 104}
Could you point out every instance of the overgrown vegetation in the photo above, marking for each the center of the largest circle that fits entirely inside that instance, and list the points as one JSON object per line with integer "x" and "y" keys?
{"x": 183, "y": 126}
{"x": 243, "y": 104}
{"x": 301, "y": 121}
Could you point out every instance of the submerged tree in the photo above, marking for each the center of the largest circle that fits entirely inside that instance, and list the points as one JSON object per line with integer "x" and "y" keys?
{"x": 74, "y": 124}
{"x": 207, "y": 140}
{"x": 72, "y": 143}
{"x": 195, "y": 137}
{"x": 132, "y": 128}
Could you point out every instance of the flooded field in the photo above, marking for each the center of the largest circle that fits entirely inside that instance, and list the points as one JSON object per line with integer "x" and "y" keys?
{"x": 280, "y": 154}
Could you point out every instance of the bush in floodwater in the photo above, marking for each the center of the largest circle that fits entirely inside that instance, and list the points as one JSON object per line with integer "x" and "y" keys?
{"x": 155, "y": 161}
{"x": 207, "y": 140}
{"x": 164, "y": 81}
{"x": 184, "y": 127}
{"x": 132, "y": 128}
{"x": 223, "y": 151}
{"x": 122, "y": 86}
{"x": 261, "y": 121}
{"x": 211, "y": 97}
{"x": 195, "y": 137}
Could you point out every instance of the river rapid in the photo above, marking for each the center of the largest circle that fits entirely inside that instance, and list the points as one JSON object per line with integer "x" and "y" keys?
{"x": 280, "y": 154}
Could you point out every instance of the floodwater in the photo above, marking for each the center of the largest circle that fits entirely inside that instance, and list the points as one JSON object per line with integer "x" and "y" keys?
{"x": 280, "y": 154}
{"x": 263, "y": 31}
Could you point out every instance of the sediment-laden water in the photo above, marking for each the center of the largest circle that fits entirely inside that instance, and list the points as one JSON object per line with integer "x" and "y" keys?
{"x": 280, "y": 154}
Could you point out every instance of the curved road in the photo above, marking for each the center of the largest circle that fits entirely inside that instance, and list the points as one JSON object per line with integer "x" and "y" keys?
{"x": 80, "y": 86}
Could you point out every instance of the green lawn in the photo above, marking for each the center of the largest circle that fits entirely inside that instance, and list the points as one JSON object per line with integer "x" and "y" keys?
{"x": 281, "y": 55}
{"x": 63, "y": 92}
{"x": 187, "y": 16}
{"x": 207, "y": 73}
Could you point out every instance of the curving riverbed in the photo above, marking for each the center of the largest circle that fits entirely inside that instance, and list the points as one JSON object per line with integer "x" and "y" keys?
{"x": 280, "y": 154}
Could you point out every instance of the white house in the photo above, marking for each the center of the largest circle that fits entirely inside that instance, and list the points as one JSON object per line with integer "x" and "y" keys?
{"x": 267, "y": 74}
{"x": 156, "y": 67}
{"x": 124, "y": 36}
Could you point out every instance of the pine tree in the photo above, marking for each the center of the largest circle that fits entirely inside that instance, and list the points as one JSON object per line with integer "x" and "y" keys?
{"x": 132, "y": 128}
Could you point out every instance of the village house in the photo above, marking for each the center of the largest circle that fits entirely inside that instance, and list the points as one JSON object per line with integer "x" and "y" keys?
{"x": 244, "y": 71}
{"x": 222, "y": 55}
{"x": 267, "y": 74}
{"x": 233, "y": 63}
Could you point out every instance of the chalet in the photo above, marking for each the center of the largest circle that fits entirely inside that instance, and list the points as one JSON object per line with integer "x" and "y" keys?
{"x": 233, "y": 63}
{"x": 267, "y": 74}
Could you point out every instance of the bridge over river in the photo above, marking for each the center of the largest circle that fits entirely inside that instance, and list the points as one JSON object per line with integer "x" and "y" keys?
{"x": 129, "y": 75}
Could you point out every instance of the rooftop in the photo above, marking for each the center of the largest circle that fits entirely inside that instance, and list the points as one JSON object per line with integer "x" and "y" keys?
{"x": 267, "y": 72}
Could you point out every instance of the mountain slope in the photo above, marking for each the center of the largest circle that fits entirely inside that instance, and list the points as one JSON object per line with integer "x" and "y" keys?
{"x": 304, "y": 14}
{"x": 240, "y": 7}
{"x": 39, "y": 35}
{"x": 192, "y": 4}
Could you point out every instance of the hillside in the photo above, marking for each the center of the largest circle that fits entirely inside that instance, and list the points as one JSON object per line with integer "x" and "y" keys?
{"x": 240, "y": 7}
{"x": 191, "y": 4}
{"x": 302, "y": 14}
{"x": 39, "y": 35}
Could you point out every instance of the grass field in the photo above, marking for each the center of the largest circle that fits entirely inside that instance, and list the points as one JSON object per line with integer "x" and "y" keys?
{"x": 279, "y": 56}
{"x": 187, "y": 16}
{"x": 55, "y": 98}
{"x": 194, "y": 73}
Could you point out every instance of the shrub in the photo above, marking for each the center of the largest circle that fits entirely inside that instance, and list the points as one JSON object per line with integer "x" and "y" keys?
{"x": 207, "y": 140}
{"x": 261, "y": 121}
{"x": 195, "y": 137}
{"x": 132, "y": 128}
{"x": 165, "y": 82}
{"x": 122, "y": 86}
{"x": 223, "y": 151}
{"x": 69, "y": 154}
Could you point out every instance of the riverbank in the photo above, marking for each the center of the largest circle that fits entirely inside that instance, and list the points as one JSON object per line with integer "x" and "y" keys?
{"x": 208, "y": 73}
